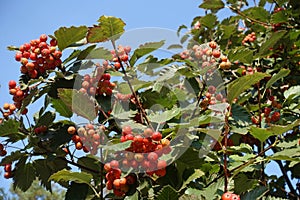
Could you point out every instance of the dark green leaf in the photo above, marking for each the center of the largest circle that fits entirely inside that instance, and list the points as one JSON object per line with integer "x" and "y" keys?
{"x": 24, "y": 175}
{"x": 66, "y": 175}
{"x": 197, "y": 174}
{"x": 282, "y": 73}
{"x": 109, "y": 28}
{"x": 257, "y": 193}
{"x": 270, "y": 42}
{"x": 212, "y": 4}
{"x": 79, "y": 103}
{"x": 240, "y": 115}
{"x": 67, "y": 36}
{"x": 46, "y": 119}
{"x": 61, "y": 108}
{"x": 236, "y": 87}
{"x": 14, "y": 156}
{"x": 209, "y": 20}
{"x": 167, "y": 193}
{"x": 145, "y": 49}
{"x": 279, "y": 17}
{"x": 258, "y": 13}
{"x": 77, "y": 191}
{"x": 43, "y": 172}
{"x": 242, "y": 179}
{"x": 241, "y": 54}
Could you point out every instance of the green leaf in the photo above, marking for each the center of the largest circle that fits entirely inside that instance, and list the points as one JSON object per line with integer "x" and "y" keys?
{"x": 248, "y": 184}
{"x": 279, "y": 17}
{"x": 24, "y": 175}
{"x": 212, "y": 4}
{"x": 282, "y": 73}
{"x": 68, "y": 36}
{"x": 61, "y": 108}
{"x": 261, "y": 134}
{"x": 77, "y": 191}
{"x": 257, "y": 193}
{"x": 197, "y": 174}
{"x": 292, "y": 154}
{"x": 145, "y": 49}
{"x": 79, "y": 103}
{"x": 135, "y": 196}
{"x": 258, "y": 13}
{"x": 66, "y": 175}
{"x": 16, "y": 155}
{"x": 236, "y": 87}
{"x": 99, "y": 53}
{"x": 46, "y": 119}
{"x": 118, "y": 147}
{"x": 91, "y": 163}
{"x": 165, "y": 116}
{"x": 28, "y": 100}
{"x": 10, "y": 129}
{"x": 241, "y": 54}
{"x": 209, "y": 20}
{"x": 43, "y": 172}
{"x": 292, "y": 92}
{"x": 278, "y": 130}
{"x": 270, "y": 42}
{"x": 167, "y": 193}
{"x": 240, "y": 115}
{"x": 109, "y": 28}
{"x": 72, "y": 56}
{"x": 190, "y": 158}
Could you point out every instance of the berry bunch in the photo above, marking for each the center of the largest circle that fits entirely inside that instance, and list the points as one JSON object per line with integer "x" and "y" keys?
{"x": 122, "y": 53}
{"x": 230, "y": 196}
{"x": 7, "y": 170}
{"x": 251, "y": 37}
{"x": 38, "y": 56}
{"x": 3, "y": 152}
{"x": 76, "y": 139}
{"x": 8, "y": 110}
{"x": 114, "y": 181}
{"x": 18, "y": 96}
{"x": 98, "y": 85}
{"x": 211, "y": 97}
{"x": 40, "y": 129}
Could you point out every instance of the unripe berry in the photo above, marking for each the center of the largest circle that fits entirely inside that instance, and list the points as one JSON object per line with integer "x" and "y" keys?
{"x": 71, "y": 130}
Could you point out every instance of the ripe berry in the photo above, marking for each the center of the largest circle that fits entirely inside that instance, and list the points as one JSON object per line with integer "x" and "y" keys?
{"x": 152, "y": 157}
{"x": 212, "y": 89}
{"x": 161, "y": 172}
{"x": 53, "y": 42}
{"x": 275, "y": 117}
{"x": 76, "y": 138}
{"x": 78, "y": 145}
{"x": 216, "y": 53}
{"x": 7, "y": 168}
{"x": 3, "y": 152}
{"x": 114, "y": 164}
{"x": 12, "y": 84}
{"x": 139, "y": 157}
{"x": 7, "y": 175}
{"x": 126, "y": 130}
{"x": 1, "y": 147}
{"x": 18, "y": 57}
{"x": 156, "y": 136}
{"x": 161, "y": 164}
{"x": 109, "y": 185}
{"x": 116, "y": 183}
{"x": 212, "y": 44}
{"x": 71, "y": 130}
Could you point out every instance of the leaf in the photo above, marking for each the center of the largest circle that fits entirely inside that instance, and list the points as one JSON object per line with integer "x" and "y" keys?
{"x": 66, "y": 175}
{"x": 46, "y": 119}
{"x": 89, "y": 162}
{"x": 99, "y": 53}
{"x": 236, "y": 87}
{"x": 212, "y": 4}
{"x": 67, "y": 36}
{"x": 279, "y": 17}
{"x": 209, "y": 20}
{"x": 240, "y": 115}
{"x": 292, "y": 154}
{"x": 241, "y": 54}
{"x": 197, "y": 174}
{"x": 257, "y": 193}
{"x": 282, "y": 73}
{"x": 165, "y": 116}
{"x": 135, "y": 196}
{"x": 77, "y": 191}
{"x": 278, "y": 130}
{"x": 167, "y": 193}
{"x": 10, "y": 129}
{"x": 175, "y": 46}
{"x": 258, "y": 13}
{"x": 109, "y": 28}
{"x": 261, "y": 134}
{"x": 292, "y": 91}
{"x": 24, "y": 175}
{"x": 145, "y": 49}
{"x": 43, "y": 172}
{"x": 61, "y": 108}
{"x": 270, "y": 42}
{"x": 180, "y": 28}
{"x": 118, "y": 147}
{"x": 248, "y": 184}
{"x": 79, "y": 103}
{"x": 28, "y": 100}
{"x": 16, "y": 155}
{"x": 190, "y": 158}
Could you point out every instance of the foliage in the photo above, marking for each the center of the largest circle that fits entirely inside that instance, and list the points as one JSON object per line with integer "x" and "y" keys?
{"x": 203, "y": 122}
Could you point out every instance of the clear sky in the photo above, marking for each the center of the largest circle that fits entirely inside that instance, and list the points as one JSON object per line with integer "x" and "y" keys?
{"x": 21, "y": 21}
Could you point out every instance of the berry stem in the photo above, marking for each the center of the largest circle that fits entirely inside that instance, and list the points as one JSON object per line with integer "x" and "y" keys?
{"x": 141, "y": 109}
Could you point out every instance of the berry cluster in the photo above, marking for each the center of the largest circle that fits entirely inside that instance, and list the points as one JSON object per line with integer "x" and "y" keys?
{"x": 230, "y": 196}
{"x": 114, "y": 181}
{"x": 122, "y": 53}
{"x": 7, "y": 170}
{"x": 211, "y": 97}
{"x": 18, "y": 96}
{"x": 98, "y": 85}
{"x": 38, "y": 56}
{"x": 3, "y": 152}
{"x": 251, "y": 37}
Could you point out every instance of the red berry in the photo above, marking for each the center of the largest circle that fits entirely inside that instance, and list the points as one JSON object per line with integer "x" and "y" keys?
{"x": 76, "y": 138}
{"x": 161, "y": 172}
{"x": 275, "y": 117}
{"x": 1, "y": 147}
{"x": 7, "y": 175}
{"x": 161, "y": 164}
{"x": 114, "y": 164}
{"x": 53, "y": 42}
{"x": 126, "y": 130}
{"x": 227, "y": 196}
{"x": 43, "y": 38}
{"x": 156, "y": 136}
{"x": 18, "y": 57}
{"x": 211, "y": 89}
{"x": 212, "y": 44}
{"x": 109, "y": 185}
{"x": 152, "y": 157}
{"x": 12, "y": 84}
{"x": 79, "y": 145}
{"x": 3, "y": 152}
{"x": 71, "y": 130}
{"x": 7, "y": 168}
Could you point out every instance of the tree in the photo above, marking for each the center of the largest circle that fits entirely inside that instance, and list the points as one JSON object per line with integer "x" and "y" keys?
{"x": 202, "y": 124}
